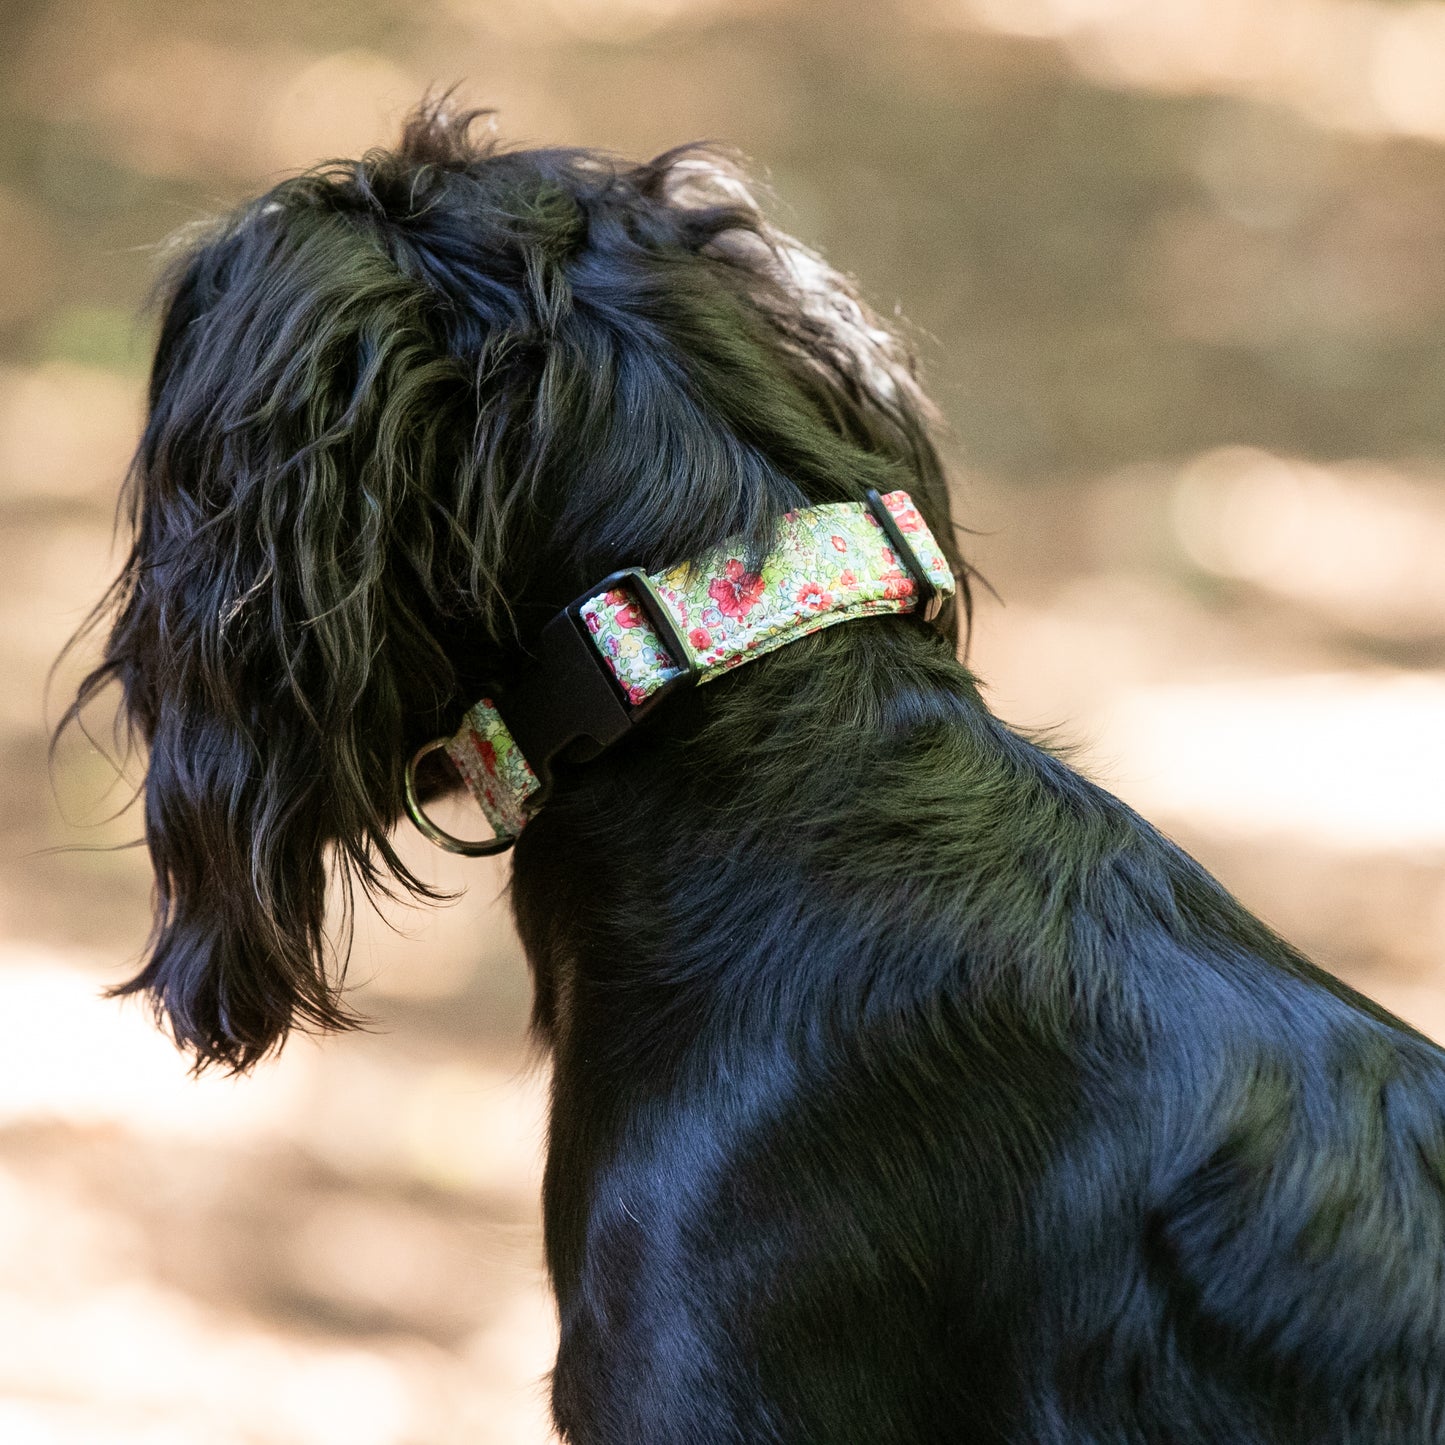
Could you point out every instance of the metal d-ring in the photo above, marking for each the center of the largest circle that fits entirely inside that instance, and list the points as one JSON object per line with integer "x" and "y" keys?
{"x": 477, "y": 848}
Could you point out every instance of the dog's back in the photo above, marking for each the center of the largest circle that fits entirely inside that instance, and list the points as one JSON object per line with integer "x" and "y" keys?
{"x": 920, "y": 1091}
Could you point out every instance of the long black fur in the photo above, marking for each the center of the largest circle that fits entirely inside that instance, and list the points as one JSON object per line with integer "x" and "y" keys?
{"x": 907, "y": 1086}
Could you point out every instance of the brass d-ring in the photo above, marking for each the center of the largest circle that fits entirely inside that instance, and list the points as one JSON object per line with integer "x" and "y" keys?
{"x": 469, "y": 849}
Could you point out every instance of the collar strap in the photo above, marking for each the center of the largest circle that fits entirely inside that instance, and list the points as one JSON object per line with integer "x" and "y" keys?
{"x": 605, "y": 661}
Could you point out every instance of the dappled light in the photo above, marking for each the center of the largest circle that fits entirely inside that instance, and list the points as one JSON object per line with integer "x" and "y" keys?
{"x": 1362, "y": 65}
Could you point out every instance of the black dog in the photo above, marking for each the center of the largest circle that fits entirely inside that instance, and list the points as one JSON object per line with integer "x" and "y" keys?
{"x": 908, "y": 1088}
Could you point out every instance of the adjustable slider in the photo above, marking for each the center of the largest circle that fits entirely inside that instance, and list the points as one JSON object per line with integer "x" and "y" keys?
{"x": 930, "y": 599}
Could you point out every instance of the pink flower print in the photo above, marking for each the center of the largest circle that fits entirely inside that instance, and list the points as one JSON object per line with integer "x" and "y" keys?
{"x": 846, "y": 578}
{"x": 737, "y": 591}
{"x": 630, "y": 616}
{"x": 700, "y": 638}
{"x": 593, "y": 625}
{"x": 838, "y": 542}
{"x": 636, "y": 694}
{"x": 896, "y": 585}
{"x": 812, "y": 596}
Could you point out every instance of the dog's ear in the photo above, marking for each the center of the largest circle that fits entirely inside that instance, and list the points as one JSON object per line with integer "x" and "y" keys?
{"x": 275, "y": 629}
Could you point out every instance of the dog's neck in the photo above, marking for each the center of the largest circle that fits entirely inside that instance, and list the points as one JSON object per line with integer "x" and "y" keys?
{"x": 605, "y": 662}
{"x": 709, "y": 864}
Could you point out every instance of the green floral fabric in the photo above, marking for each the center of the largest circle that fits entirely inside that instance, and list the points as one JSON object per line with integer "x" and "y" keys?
{"x": 831, "y": 564}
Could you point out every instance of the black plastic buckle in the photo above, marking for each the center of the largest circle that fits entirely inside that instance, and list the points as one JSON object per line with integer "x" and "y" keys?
{"x": 930, "y": 599}
{"x": 569, "y": 703}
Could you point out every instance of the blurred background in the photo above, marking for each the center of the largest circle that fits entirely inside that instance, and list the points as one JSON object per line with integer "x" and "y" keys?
{"x": 1176, "y": 271}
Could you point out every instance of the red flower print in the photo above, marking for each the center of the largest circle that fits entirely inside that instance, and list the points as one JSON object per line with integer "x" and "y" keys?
{"x": 593, "y": 624}
{"x": 700, "y": 638}
{"x": 737, "y": 591}
{"x": 485, "y": 751}
{"x": 846, "y": 578}
{"x": 896, "y": 585}
{"x": 811, "y": 595}
{"x": 630, "y": 616}
{"x": 838, "y": 542}
{"x": 636, "y": 694}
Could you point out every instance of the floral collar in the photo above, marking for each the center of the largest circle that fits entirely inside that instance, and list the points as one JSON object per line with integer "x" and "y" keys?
{"x": 607, "y": 659}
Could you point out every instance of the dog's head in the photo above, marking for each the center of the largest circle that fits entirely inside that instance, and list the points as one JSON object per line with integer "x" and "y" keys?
{"x": 401, "y": 410}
